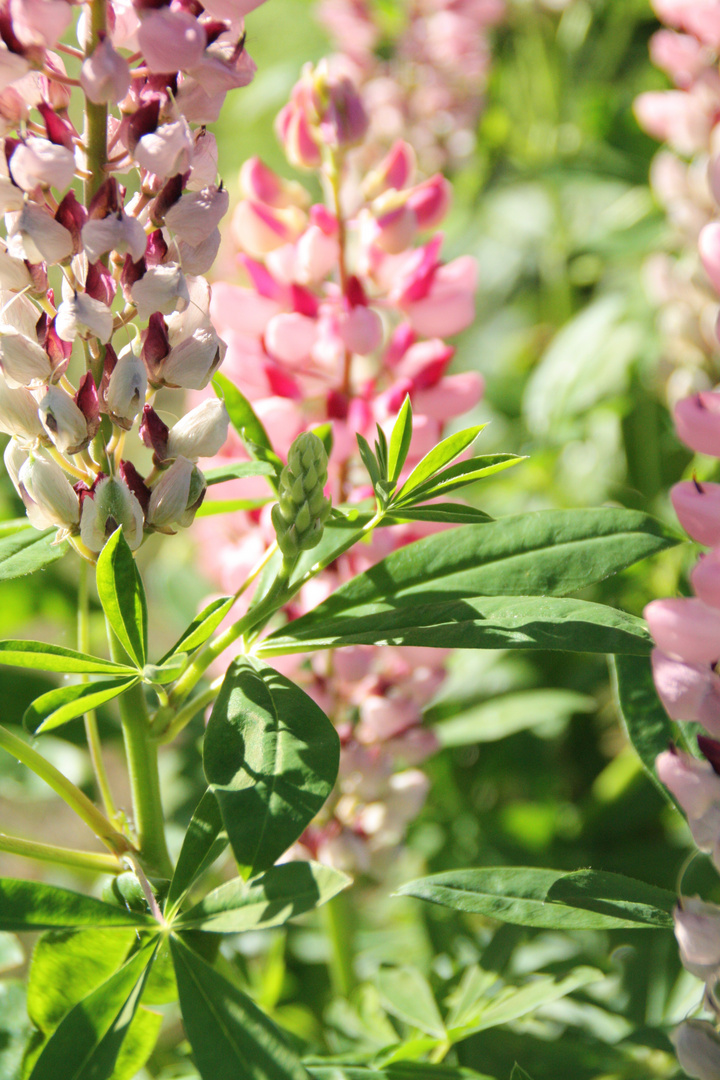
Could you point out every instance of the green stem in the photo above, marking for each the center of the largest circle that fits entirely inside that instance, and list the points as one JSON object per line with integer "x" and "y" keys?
{"x": 338, "y": 919}
{"x": 78, "y": 860}
{"x": 91, "y": 727}
{"x": 65, "y": 788}
{"x": 189, "y": 711}
{"x": 142, "y": 761}
{"x": 95, "y": 134}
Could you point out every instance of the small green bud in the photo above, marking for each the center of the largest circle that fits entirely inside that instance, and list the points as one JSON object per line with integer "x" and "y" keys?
{"x": 302, "y": 510}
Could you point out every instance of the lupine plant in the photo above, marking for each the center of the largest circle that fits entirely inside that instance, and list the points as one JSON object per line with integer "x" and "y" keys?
{"x": 106, "y": 324}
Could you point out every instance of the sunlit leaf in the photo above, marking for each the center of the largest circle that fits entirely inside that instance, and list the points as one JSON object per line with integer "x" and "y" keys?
{"x": 122, "y": 596}
{"x": 68, "y": 702}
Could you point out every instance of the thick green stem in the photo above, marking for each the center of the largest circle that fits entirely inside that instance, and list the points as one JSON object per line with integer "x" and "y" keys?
{"x": 338, "y": 919}
{"x": 78, "y": 860}
{"x": 91, "y": 727}
{"x": 72, "y": 795}
{"x": 142, "y": 761}
{"x": 95, "y": 134}
{"x": 188, "y": 712}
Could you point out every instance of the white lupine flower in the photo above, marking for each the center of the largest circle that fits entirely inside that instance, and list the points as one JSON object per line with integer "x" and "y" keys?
{"x": 15, "y": 457}
{"x": 161, "y": 288}
{"x": 194, "y": 216}
{"x": 40, "y": 22}
{"x": 198, "y": 260}
{"x": 126, "y": 389}
{"x": 117, "y": 232}
{"x": 111, "y": 505}
{"x": 64, "y": 422}
{"x": 105, "y": 75}
{"x": 204, "y": 161}
{"x": 195, "y": 316}
{"x": 19, "y": 413}
{"x": 193, "y": 362}
{"x": 14, "y": 274}
{"x": 82, "y": 314}
{"x": 12, "y": 67}
{"x": 166, "y": 151}
{"x": 697, "y": 929}
{"x": 18, "y": 312}
{"x": 35, "y": 235}
{"x": 39, "y": 162}
{"x": 22, "y": 360}
{"x": 47, "y": 494}
{"x": 11, "y": 197}
{"x": 697, "y": 1045}
{"x": 201, "y": 432}
{"x": 176, "y": 496}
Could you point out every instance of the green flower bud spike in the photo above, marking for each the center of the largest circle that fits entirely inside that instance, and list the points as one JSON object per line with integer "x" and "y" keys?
{"x": 302, "y": 510}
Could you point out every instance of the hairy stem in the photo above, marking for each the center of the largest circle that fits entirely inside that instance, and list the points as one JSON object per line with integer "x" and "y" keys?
{"x": 142, "y": 761}
{"x": 91, "y": 727}
{"x": 78, "y": 860}
{"x": 73, "y": 796}
{"x": 95, "y": 133}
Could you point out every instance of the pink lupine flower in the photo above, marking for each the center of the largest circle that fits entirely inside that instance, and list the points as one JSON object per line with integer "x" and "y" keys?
{"x": 687, "y": 629}
{"x": 40, "y": 22}
{"x": 689, "y": 691}
{"x": 171, "y": 40}
{"x": 697, "y": 929}
{"x": 698, "y": 509}
{"x": 697, "y": 420}
{"x": 448, "y": 305}
{"x": 40, "y": 163}
{"x": 105, "y": 74}
{"x": 167, "y": 150}
{"x": 197, "y": 214}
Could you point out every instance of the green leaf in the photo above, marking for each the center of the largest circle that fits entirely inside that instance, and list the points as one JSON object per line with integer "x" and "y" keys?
{"x": 24, "y": 550}
{"x": 446, "y": 513}
{"x": 230, "y": 1037}
{"x": 43, "y": 657}
{"x": 214, "y": 507}
{"x": 460, "y": 475}
{"x": 204, "y": 841}
{"x": 138, "y": 1044}
{"x": 271, "y": 756}
{"x": 32, "y": 905}
{"x": 406, "y": 993}
{"x": 281, "y": 893}
{"x": 68, "y": 702}
{"x": 242, "y": 415}
{"x": 15, "y": 1028}
{"x": 528, "y": 896}
{"x": 503, "y": 716}
{"x": 381, "y": 452}
{"x": 441, "y": 455}
{"x": 647, "y": 725}
{"x": 400, "y": 438}
{"x": 238, "y": 470}
{"x": 519, "y": 1074}
{"x": 166, "y": 672}
{"x": 324, "y": 433}
{"x": 519, "y": 622}
{"x": 513, "y": 1002}
{"x": 122, "y": 596}
{"x": 202, "y": 627}
{"x": 86, "y": 1043}
{"x": 368, "y": 459}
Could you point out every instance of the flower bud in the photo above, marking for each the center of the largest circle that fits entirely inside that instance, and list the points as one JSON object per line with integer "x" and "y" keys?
{"x": 176, "y": 497}
{"x": 301, "y": 511}
{"x": 193, "y": 362}
{"x": 201, "y": 433}
{"x": 47, "y": 494}
{"x": 111, "y": 504}
{"x": 697, "y": 1045}
{"x": 64, "y": 422}
{"x": 126, "y": 389}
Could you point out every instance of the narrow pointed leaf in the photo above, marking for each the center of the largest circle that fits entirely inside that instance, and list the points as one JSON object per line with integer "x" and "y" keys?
{"x": 242, "y": 415}
{"x": 24, "y": 550}
{"x": 271, "y": 756}
{"x": 646, "y": 723}
{"x": 406, "y": 993}
{"x": 441, "y": 455}
{"x": 238, "y": 470}
{"x": 230, "y": 1037}
{"x": 168, "y": 671}
{"x": 519, "y": 1074}
{"x": 44, "y": 657}
{"x": 204, "y": 841}
{"x": 122, "y": 596}
{"x": 381, "y": 452}
{"x": 33, "y": 905}
{"x": 281, "y": 893}
{"x": 400, "y": 441}
{"x": 528, "y": 896}
{"x": 445, "y": 513}
{"x": 215, "y": 507}
{"x": 68, "y": 702}
{"x": 86, "y": 1043}
{"x": 368, "y": 459}
{"x": 202, "y": 627}
{"x": 460, "y": 475}
{"x": 517, "y": 1002}
{"x": 509, "y": 713}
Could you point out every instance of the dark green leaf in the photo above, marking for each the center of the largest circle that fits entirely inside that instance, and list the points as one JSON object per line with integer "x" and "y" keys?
{"x": 86, "y": 1043}
{"x": 230, "y": 1037}
{"x": 24, "y": 550}
{"x": 271, "y": 757}
{"x": 517, "y": 622}
{"x": 441, "y": 455}
{"x": 205, "y": 838}
{"x": 460, "y": 475}
{"x": 503, "y": 716}
{"x": 583, "y": 900}
{"x": 238, "y": 470}
{"x": 122, "y": 596}
{"x": 32, "y": 905}
{"x": 201, "y": 628}
{"x": 647, "y": 725}
{"x": 400, "y": 438}
{"x": 281, "y": 893}
{"x": 43, "y": 657}
{"x": 68, "y": 702}
{"x": 519, "y": 1074}
{"x": 139, "y": 1042}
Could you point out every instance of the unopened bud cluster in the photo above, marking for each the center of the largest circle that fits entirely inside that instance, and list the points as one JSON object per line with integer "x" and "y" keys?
{"x": 302, "y": 509}
{"x": 102, "y": 302}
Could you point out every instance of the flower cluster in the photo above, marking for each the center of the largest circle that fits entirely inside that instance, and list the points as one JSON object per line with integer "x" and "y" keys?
{"x": 343, "y": 312}
{"x": 76, "y": 278}
{"x": 686, "y": 179}
{"x": 685, "y": 661}
{"x": 429, "y": 87}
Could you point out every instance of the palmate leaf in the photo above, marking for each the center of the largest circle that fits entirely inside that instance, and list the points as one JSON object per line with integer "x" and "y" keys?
{"x": 230, "y": 1037}
{"x": 271, "y": 757}
{"x": 204, "y": 841}
{"x": 24, "y": 550}
{"x": 554, "y": 899}
{"x": 68, "y": 702}
{"x": 202, "y": 627}
{"x": 461, "y": 474}
{"x": 32, "y": 905}
{"x": 122, "y": 596}
{"x": 437, "y": 458}
{"x": 281, "y": 893}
